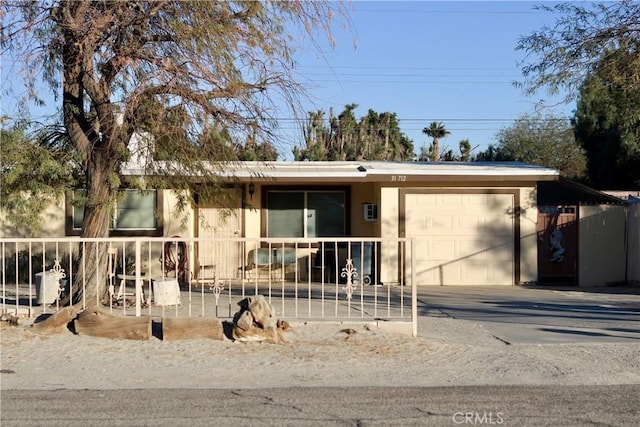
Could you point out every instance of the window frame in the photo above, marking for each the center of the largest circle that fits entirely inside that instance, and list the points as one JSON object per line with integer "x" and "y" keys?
{"x": 264, "y": 212}
{"x": 158, "y": 231}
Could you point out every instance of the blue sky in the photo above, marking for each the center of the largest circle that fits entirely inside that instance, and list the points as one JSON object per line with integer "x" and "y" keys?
{"x": 427, "y": 61}
{"x": 448, "y": 61}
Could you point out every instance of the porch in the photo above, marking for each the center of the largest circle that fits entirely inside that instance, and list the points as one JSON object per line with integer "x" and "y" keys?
{"x": 304, "y": 280}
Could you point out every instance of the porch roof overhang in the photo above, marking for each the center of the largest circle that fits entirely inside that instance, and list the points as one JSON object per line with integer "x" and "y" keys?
{"x": 376, "y": 171}
{"x": 567, "y": 192}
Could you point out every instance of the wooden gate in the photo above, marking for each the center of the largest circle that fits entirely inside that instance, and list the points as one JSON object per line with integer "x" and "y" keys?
{"x": 558, "y": 245}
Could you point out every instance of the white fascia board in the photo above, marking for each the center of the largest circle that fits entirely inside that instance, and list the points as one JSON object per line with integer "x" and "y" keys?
{"x": 369, "y": 171}
{"x": 487, "y": 169}
{"x": 255, "y": 170}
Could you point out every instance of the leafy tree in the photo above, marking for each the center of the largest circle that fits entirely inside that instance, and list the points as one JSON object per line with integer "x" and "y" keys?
{"x": 465, "y": 150}
{"x": 448, "y": 155}
{"x": 608, "y": 133}
{"x": 494, "y": 153}
{"x": 585, "y": 36}
{"x": 32, "y": 175}
{"x": 593, "y": 44}
{"x": 425, "y": 153}
{"x": 436, "y": 130}
{"x": 169, "y": 69}
{"x": 317, "y": 138}
{"x": 376, "y": 136}
{"x": 540, "y": 140}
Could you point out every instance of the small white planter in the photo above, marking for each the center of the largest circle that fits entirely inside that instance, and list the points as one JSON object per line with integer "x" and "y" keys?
{"x": 47, "y": 287}
{"x": 166, "y": 291}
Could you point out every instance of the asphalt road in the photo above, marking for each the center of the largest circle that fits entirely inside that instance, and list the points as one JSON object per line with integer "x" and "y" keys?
{"x": 511, "y": 314}
{"x": 438, "y": 406}
{"x": 539, "y": 315}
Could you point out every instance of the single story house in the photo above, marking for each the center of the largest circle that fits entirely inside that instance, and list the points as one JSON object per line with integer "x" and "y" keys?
{"x": 473, "y": 223}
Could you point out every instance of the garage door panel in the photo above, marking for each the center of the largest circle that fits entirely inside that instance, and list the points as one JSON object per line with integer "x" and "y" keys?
{"x": 436, "y": 248}
{"x": 462, "y": 238}
{"x": 436, "y": 273}
{"x": 499, "y": 246}
{"x": 457, "y": 225}
{"x": 467, "y": 272}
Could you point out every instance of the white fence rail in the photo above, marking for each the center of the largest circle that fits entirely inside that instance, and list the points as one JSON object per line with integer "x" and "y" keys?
{"x": 303, "y": 279}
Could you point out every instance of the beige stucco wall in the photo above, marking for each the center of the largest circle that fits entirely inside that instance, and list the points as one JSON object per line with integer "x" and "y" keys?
{"x": 252, "y": 218}
{"x": 389, "y": 221}
{"x": 360, "y": 194}
{"x": 601, "y": 245}
{"x": 176, "y": 223}
{"x": 528, "y": 236}
{"x": 52, "y": 224}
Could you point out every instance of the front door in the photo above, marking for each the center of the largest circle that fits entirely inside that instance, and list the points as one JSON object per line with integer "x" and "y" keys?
{"x": 216, "y": 226}
{"x": 558, "y": 245}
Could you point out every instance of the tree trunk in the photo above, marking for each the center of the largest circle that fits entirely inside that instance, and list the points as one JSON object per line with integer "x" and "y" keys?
{"x": 182, "y": 328}
{"x": 90, "y": 285}
{"x": 56, "y": 323}
{"x": 435, "y": 156}
{"x": 97, "y": 322}
{"x": 90, "y": 126}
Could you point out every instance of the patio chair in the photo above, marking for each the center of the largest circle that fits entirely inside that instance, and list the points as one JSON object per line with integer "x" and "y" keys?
{"x": 113, "y": 276}
{"x": 112, "y": 264}
{"x": 260, "y": 259}
{"x": 206, "y": 275}
{"x": 282, "y": 259}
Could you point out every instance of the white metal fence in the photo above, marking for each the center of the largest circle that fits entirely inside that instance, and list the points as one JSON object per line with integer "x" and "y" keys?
{"x": 319, "y": 279}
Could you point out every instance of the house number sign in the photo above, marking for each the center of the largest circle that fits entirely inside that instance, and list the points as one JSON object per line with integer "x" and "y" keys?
{"x": 398, "y": 178}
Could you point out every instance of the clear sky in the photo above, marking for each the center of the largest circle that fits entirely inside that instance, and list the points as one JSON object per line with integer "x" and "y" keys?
{"x": 448, "y": 61}
{"x": 426, "y": 61}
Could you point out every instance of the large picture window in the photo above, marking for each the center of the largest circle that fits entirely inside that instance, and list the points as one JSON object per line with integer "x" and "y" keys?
{"x": 135, "y": 213}
{"x": 306, "y": 213}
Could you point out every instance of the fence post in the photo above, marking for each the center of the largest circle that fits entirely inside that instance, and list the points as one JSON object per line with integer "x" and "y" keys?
{"x": 414, "y": 292}
{"x": 138, "y": 278}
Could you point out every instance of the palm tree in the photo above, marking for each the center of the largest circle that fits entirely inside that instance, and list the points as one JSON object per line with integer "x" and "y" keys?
{"x": 435, "y": 130}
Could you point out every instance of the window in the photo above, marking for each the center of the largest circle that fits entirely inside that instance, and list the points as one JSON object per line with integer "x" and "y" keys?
{"x": 306, "y": 213}
{"x": 135, "y": 213}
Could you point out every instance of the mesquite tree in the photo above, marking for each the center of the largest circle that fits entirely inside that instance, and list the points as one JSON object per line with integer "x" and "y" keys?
{"x": 178, "y": 71}
{"x": 591, "y": 53}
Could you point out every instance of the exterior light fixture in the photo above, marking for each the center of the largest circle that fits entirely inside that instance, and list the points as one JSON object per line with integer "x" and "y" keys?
{"x": 252, "y": 189}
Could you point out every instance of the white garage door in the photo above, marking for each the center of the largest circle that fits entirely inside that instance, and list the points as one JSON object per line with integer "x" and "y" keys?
{"x": 462, "y": 239}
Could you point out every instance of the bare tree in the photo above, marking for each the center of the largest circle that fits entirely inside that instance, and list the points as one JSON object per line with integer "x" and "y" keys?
{"x": 585, "y": 37}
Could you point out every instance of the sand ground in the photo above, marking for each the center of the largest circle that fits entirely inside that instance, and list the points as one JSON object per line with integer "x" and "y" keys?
{"x": 446, "y": 352}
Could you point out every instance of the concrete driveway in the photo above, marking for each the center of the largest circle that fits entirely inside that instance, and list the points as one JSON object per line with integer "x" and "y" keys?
{"x": 518, "y": 314}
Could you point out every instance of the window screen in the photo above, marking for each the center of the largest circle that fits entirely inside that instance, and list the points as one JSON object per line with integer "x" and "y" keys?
{"x": 305, "y": 213}
{"x": 285, "y": 216}
{"x": 328, "y": 211}
{"x": 136, "y": 210}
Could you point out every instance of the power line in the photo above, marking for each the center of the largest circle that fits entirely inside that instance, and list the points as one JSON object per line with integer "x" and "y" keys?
{"x": 409, "y": 75}
{"x": 376, "y": 67}
{"x": 452, "y": 12}
{"x": 446, "y": 119}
